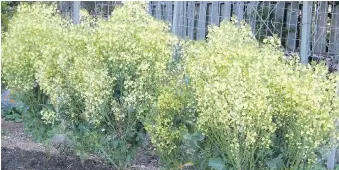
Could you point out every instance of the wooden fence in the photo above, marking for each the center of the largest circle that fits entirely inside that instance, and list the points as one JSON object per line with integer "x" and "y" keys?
{"x": 189, "y": 19}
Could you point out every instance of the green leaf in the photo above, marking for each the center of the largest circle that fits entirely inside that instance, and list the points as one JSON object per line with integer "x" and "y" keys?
{"x": 193, "y": 139}
{"x": 83, "y": 117}
{"x": 16, "y": 115}
{"x": 49, "y": 106}
{"x": 276, "y": 163}
{"x": 9, "y": 117}
{"x": 115, "y": 143}
{"x": 84, "y": 127}
{"x": 18, "y": 120}
{"x": 82, "y": 156}
{"x": 216, "y": 163}
{"x": 104, "y": 140}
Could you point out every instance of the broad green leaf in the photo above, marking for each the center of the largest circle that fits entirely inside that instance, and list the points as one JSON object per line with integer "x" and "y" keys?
{"x": 276, "y": 163}
{"x": 216, "y": 163}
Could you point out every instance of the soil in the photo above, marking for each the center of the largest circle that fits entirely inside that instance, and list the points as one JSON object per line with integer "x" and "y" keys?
{"x": 20, "y": 152}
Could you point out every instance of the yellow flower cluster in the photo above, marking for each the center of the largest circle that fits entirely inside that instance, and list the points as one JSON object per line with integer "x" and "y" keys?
{"x": 48, "y": 116}
{"x": 251, "y": 99}
{"x": 104, "y": 75}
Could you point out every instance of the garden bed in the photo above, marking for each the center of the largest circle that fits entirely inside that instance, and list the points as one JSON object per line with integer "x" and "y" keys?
{"x": 19, "y": 151}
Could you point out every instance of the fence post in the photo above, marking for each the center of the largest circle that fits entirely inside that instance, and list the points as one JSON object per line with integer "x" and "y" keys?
{"x": 76, "y": 12}
{"x": 306, "y": 31}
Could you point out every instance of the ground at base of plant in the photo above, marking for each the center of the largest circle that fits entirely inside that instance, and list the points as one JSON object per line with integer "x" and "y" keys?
{"x": 19, "y": 151}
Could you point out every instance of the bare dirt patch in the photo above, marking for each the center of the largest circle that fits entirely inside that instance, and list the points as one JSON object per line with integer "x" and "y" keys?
{"x": 19, "y": 151}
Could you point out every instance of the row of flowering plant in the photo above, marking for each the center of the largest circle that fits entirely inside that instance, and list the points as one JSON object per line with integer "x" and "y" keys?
{"x": 229, "y": 102}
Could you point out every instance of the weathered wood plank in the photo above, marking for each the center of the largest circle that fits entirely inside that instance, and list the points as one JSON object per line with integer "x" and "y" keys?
{"x": 251, "y": 14}
{"x": 269, "y": 30}
{"x": 226, "y": 11}
{"x": 319, "y": 40}
{"x": 178, "y": 18}
{"x": 76, "y": 12}
{"x": 331, "y": 158}
{"x": 184, "y": 22}
{"x": 239, "y": 10}
{"x": 279, "y": 17}
{"x": 215, "y": 13}
{"x": 208, "y": 13}
{"x": 157, "y": 9}
{"x": 150, "y": 8}
{"x": 169, "y": 11}
{"x": 190, "y": 19}
{"x": 292, "y": 23}
{"x": 164, "y": 11}
{"x": 176, "y": 13}
{"x": 306, "y": 23}
{"x": 334, "y": 36}
{"x": 201, "y": 29}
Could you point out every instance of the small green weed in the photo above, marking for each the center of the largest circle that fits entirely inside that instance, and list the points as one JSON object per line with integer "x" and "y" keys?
{"x": 12, "y": 115}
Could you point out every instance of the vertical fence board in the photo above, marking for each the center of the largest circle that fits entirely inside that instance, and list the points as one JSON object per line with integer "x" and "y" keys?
{"x": 292, "y": 24}
{"x": 178, "y": 18}
{"x": 267, "y": 19}
{"x": 182, "y": 19}
{"x": 190, "y": 19}
{"x": 201, "y": 30}
{"x": 169, "y": 11}
{"x": 164, "y": 11}
{"x": 65, "y": 8}
{"x": 251, "y": 14}
{"x": 215, "y": 13}
{"x": 279, "y": 16}
{"x": 239, "y": 10}
{"x": 176, "y": 13}
{"x": 319, "y": 44}
{"x": 226, "y": 11}
{"x": 157, "y": 9}
{"x": 306, "y": 31}
{"x": 208, "y": 13}
{"x": 150, "y": 7}
{"x": 334, "y": 37}
{"x": 76, "y": 12}
{"x": 331, "y": 157}
{"x": 185, "y": 21}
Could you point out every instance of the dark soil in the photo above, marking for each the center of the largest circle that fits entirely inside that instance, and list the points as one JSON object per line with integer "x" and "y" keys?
{"x": 19, "y": 151}
{"x": 15, "y": 159}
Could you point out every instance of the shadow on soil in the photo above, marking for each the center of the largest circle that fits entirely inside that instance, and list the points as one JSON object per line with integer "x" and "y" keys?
{"x": 15, "y": 159}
